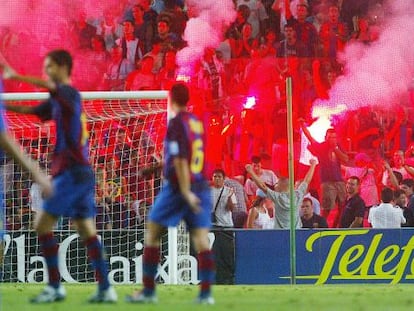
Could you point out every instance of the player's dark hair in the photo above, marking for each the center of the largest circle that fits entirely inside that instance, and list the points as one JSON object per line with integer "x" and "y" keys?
{"x": 61, "y": 58}
{"x": 387, "y": 195}
{"x": 180, "y": 94}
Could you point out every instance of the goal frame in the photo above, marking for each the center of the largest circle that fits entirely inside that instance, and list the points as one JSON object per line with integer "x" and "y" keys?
{"x": 172, "y": 257}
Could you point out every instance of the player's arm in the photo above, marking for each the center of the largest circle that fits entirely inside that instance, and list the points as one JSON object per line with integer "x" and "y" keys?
{"x": 20, "y": 109}
{"x": 255, "y": 178}
{"x": 10, "y": 73}
{"x": 182, "y": 170}
{"x": 13, "y": 149}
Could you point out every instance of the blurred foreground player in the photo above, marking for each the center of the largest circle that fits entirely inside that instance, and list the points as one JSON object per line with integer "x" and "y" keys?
{"x": 73, "y": 177}
{"x": 11, "y": 148}
{"x": 185, "y": 195}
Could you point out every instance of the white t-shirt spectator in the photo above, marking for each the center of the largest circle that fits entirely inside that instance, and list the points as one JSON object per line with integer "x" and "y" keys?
{"x": 223, "y": 215}
{"x": 386, "y": 216}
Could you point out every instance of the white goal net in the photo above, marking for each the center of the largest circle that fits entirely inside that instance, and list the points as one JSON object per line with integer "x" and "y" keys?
{"x": 126, "y": 134}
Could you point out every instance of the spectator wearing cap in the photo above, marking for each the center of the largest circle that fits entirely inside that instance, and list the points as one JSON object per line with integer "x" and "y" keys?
{"x": 386, "y": 215}
{"x": 266, "y": 176}
{"x": 309, "y": 218}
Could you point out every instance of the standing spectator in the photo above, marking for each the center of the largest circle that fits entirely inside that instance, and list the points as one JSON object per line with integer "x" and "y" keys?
{"x": 239, "y": 213}
{"x": 333, "y": 34}
{"x": 122, "y": 148}
{"x": 117, "y": 71}
{"x": 103, "y": 219}
{"x": 257, "y": 18}
{"x": 399, "y": 166}
{"x": 291, "y": 46}
{"x": 174, "y": 12}
{"x": 363, "y": 33}
{"x": 330, "y": 156}
{"x": 132, "y": 47}
{"x": 354, "y": 210}
{"x": 168, "y": 39}
{"x": 281, "y": 197}
{"x": 266, "y": 176}
{"x": 305, "y": 31}
{"x": 109, "y": 29}
{"x": 116, "y": 193}
{"x": 223, "y": 200}
{"x": 212, "y": 76}
{"x": 386, "y": 215}
{"x": 234, "y": 32}
{"x": 270, "y": 45}
{"x": 83, "y": 32}
{"x": 324, "y": 78}
{"x": 309, "y": 218}
{"x": 149, "y": 29}
{"x": 138, "y": 17}
{"x": 400, "y": 200}
{"x": 407, "y": 185}
{"x": 366, "y": 174}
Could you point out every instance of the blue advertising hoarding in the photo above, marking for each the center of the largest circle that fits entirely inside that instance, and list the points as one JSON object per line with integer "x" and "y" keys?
{"x": 326, "y": 256}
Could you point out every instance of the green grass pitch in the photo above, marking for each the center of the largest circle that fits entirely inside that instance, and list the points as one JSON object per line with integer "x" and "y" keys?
{"x": 241, "y": 298}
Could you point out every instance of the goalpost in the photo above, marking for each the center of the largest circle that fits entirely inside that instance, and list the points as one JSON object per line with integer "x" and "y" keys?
{"x": 126, "y": 134}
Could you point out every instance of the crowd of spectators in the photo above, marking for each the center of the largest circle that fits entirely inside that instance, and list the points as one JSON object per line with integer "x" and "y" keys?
{"x": 134, "y": 47}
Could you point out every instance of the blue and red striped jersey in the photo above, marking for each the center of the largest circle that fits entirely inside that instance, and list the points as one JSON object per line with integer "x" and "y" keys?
{"x": 65, "y": 107}
{"x": 185, "y": 139}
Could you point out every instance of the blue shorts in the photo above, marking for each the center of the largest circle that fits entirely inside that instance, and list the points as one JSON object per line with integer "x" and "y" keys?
{"x": 73, "y": 194}
{"x": 170, "y": 207}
